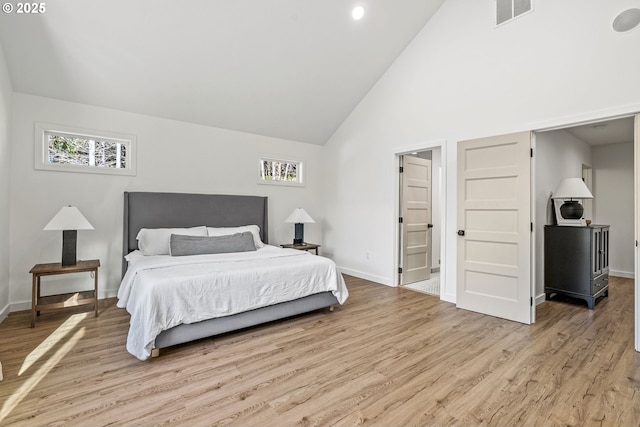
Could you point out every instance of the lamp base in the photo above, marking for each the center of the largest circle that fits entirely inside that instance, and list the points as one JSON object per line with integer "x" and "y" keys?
{"x": 571, "y": 209}
{"x": 559, "y": 219}
{"x": 298, "y": 239}
{"x": 69, "y": 241}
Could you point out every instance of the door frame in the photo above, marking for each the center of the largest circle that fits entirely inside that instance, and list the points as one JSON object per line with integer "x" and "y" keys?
{"x": 395, "y": 197}
{"x": 409, "y": 164}
{"x": 636, "y": 214}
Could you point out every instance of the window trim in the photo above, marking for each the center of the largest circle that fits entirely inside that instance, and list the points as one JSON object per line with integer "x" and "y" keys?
{"x": 300, "y": 171}
{"x": 513, "y": 17}
{"x": 41, "y": 149}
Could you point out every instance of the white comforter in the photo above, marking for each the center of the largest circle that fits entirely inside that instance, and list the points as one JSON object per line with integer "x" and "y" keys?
{"x": 162, "y": 291}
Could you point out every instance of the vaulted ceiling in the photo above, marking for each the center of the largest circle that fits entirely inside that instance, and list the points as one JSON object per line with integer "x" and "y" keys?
{"x": 290, "y": 69}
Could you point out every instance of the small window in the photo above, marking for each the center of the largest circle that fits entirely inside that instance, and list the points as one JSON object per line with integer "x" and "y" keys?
{"x": 507, "y": 10}
{"x": 68, "y": 149}
{"x": 278, "y": 171}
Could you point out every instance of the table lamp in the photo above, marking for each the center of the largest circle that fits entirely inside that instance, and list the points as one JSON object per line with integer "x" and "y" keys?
{"x": 570, "y": 211}
{"x": 69, "y": 220}
{"x": 299, "y": 216}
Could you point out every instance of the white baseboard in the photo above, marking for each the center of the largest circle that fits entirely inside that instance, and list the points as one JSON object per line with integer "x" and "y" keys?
{"x": 387, "y": 282}
{"x": 20, "y": 306}
{"x": 541, "y": 298}
{"x": 381, "y": 280}
{"x": 109, "y": 293}
{"x": 624, "y": 274}
{"x": 5, "y": 312}
{"x": 448, "y": 298}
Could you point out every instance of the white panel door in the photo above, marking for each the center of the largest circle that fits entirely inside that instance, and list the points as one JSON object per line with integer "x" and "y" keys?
{"x": 415, "y": 208}
{"x": 494, "y": 220}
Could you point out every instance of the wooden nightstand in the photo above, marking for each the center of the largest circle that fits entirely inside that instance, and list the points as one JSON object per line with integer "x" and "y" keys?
{"x": 71, "y": 299}
{"x": 305, "y": 247}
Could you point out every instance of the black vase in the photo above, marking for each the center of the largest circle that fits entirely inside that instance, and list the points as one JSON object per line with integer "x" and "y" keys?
{"x": 571, "y": 209}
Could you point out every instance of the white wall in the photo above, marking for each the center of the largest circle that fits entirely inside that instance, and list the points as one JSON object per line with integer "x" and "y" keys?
{"x": 5, "y": 179}
{"x": 463, "y": 78}
{"x": 613, "y": 203}
{"x": 558, "y": 155}
{"x": 172, "y": 156}
{"x": 460, "y": 78}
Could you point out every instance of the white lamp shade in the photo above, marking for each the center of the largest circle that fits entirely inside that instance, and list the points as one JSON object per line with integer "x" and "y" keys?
{"x": 299, "y": 216}
{"x": 572, "y": 188}
{"x": 69, "y": 218}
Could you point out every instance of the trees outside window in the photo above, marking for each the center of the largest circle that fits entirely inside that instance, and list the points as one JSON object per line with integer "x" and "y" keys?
{"x": 67, "y": 149}
{"x": 288, "y": 172}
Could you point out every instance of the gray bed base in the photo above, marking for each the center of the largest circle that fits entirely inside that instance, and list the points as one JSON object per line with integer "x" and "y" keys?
{"x": 168, "y": 210}
{"x": 185, "y": 333}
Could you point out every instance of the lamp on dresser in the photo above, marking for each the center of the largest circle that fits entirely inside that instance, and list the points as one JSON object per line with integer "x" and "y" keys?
{"x": 299, "y": 217}
{"x": 69, "y": 220}
{"x": 567, "y": 208}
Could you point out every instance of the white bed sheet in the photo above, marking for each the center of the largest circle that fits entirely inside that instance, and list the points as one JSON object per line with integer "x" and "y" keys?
{"x": 162, "y": 291}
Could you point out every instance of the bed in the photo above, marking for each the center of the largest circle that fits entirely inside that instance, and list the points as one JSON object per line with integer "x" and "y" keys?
{"x": 273, "y": 283}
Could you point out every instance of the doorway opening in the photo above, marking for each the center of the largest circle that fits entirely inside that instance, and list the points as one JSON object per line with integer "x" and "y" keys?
{"x": 596, "y": 169}
{"x": 602, "y": 154}
{"x": 420, "y": 206}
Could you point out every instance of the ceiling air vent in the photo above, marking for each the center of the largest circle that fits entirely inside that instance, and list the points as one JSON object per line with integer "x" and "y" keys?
{"x": 506, "y": 10}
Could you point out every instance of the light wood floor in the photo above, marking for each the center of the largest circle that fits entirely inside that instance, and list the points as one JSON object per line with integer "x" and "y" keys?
{"x": 388, "y": 357}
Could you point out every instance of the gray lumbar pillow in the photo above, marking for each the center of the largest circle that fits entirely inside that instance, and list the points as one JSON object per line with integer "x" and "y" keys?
{"x": 181, "y": 245}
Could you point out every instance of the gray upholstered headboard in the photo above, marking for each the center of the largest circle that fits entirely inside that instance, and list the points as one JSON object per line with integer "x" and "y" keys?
{"x": 169, "y": 210}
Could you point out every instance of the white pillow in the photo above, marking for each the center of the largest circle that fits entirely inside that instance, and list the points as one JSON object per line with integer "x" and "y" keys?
{"x": 226, "y": 231}
{"x": 155, "y": 241}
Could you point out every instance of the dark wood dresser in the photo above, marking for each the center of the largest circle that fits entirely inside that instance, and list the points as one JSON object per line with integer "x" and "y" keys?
{"x": 576, "y": 262}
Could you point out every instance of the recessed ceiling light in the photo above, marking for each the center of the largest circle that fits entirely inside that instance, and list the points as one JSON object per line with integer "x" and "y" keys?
{"x": 357, "y": 13}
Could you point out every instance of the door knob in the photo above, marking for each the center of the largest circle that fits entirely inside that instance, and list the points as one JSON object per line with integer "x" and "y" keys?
{"x": 460, "y": 232}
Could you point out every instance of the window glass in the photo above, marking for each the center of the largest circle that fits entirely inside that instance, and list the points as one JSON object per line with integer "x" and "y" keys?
{"x": 84, "y": 151}
{"x": 288, "y": 172}
{"x": 68, "y": 149}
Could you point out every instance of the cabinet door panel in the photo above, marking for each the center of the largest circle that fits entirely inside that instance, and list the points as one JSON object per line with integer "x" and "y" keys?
{"x": 596, "y": 267}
